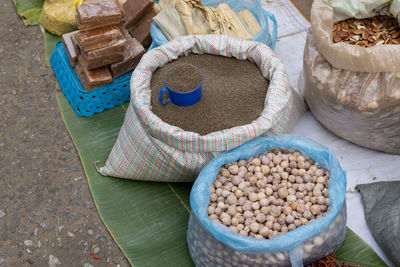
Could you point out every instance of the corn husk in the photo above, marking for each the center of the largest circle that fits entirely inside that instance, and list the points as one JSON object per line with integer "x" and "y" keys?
{"x": 250, "y": 21}
{"x": 184, "y": 9}
{"x": 231, "y": 22}
{"x": 170, "y": 22}
{"x": 162, "y": 4}
{"x": 200, "y": 22}
{"x": 212, "y": 19}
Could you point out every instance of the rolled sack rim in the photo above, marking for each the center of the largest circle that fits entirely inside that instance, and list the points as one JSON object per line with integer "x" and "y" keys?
{"x": 379, "y": 58}
{"x": 280, "y": 108}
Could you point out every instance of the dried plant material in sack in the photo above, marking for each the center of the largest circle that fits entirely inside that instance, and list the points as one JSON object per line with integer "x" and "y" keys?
{"x": 184, "y": 9}
{"x": 199, "y": 19}
{"x": 378, "y": 30}
{"x": 200, "y": 23}
{"x": 251, "y": 21}
{"x": 381, "y": 58}
{"x": 232, "y": 23}
{"x": 360, "y": 107}
{"x": 213, "y": 19}
{"x": 162, "y": 4}
{"x": 170, "y": 22}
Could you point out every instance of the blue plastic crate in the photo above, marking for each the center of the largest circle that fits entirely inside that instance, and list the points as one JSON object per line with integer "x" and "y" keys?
{"x": 87, "y": 103}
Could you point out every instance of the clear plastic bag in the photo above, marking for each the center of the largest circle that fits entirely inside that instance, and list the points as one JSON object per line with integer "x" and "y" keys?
{"x": 358, "y": 9}
{"x": 353, "y": 91}
{"x": 213, "y": 244}
{"x": 344, "y": 9}
{"x": 263, "y": 17}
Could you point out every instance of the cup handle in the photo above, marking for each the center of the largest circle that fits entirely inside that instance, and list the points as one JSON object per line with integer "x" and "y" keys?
{"x": 161, "y": 94}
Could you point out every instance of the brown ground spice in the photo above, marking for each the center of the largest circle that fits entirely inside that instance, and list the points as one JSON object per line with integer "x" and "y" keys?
{"x": 233, "y": 94}
{"x": 183, "y": 77}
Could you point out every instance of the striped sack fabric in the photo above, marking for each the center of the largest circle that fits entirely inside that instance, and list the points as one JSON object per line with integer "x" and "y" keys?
{"x": 151, "y": 150}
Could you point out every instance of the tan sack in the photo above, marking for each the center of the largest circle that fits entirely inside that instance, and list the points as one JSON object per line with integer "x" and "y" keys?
{"x": 361, "y": 107}
{"x": 380, "y": 58}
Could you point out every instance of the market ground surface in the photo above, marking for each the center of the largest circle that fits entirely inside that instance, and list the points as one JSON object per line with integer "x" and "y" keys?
{"x": 47, "y": 215}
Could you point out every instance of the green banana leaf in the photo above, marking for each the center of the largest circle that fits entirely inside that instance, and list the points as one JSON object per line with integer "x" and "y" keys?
{"x": 50, "y": 41}
{"x": 356, "y": 250}
{"x": 29, "y": 10}
{"x": 149, "y": 220}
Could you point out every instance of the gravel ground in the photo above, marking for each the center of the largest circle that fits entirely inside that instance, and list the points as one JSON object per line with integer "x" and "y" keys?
{"x": 47, "y": 215}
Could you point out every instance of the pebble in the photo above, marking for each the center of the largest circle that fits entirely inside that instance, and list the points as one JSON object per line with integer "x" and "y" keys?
{"x": 2, "y": 214}
{"x": 53, "y": 261}
{"x": 28, "y": 243}
{"x": 69, "y": 234}
{"x": 90, "y": 232}
{"x": 87, "y": 264}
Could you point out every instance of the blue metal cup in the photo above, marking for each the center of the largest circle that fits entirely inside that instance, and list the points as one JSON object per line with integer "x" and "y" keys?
{"x": 181, "y": 98}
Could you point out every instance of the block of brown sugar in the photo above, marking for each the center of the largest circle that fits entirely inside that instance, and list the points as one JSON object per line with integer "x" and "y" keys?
{"x": 141, "y": 30}
{"x": 104, "y": 56}
{"x": 94, "y": 14}
{"x": 70, "y": 48}
{"x": 97, "y": 38}
{"x": 134, "y": 10}
{"x": 93, "y": 78}
{"x": 132, "y": 55}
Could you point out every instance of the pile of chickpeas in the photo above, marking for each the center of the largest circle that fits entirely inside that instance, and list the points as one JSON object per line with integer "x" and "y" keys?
{"x": 270, "y": 194}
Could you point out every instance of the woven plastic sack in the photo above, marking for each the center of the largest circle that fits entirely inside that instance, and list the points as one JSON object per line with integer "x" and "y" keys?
{"x": 263, "y": 17}
{"x": 149, "y": 149}
{"x": 213, "y": 244}
{"x": 353, "y": 91}
{"x": 381, "y": 203}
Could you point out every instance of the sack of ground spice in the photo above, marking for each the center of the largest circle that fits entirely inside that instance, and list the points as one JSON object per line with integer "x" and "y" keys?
{"x": 274, "y": 201}
{"x": 149, "y": 149}
{"x": 352, "y": 77}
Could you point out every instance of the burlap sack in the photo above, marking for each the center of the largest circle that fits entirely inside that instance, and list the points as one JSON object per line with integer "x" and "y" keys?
{"x": 362, "y": 107}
